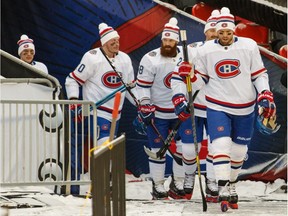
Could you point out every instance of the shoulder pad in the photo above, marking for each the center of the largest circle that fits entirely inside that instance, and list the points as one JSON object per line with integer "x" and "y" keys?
{"x": 93, "y": 52}
{"x": 152, "y": 53}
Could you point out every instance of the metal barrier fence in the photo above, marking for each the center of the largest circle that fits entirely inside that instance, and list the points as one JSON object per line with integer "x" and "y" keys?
{"x": 107, "y": 172}
{"x": 42, "y": 144}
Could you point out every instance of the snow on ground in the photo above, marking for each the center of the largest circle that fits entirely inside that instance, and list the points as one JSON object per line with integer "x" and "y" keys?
{"x": 256, "y": 198}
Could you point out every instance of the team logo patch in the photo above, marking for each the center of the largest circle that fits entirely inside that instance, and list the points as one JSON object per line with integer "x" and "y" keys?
{"x": 213, "y": 24}
{"x": 227, "y": 68}
{"x": 111, "y": 80}
{"x": 167, "y": 34}
{"x": 224, "y": 25}
{"x": 167, "y": 80}
{"x": 157, "y": 140}
{"x": 152, "y": 53}
{"x": 26, "y": 46}
{"x": 93, "y": 52}
{"x": 105, "y": 127}
{"x": 188, "y": 132}
{"x": 220, "y": 128}
{"x": 193, "y": 45}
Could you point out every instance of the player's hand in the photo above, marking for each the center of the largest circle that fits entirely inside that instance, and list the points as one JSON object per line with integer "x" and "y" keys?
{"x": 147, "y": 113}
{"x": 266, "y": 105}
{"x": 184, "y": 70}
{"x": 181, "y": 106}
{"x": 76, "y": 112}
{"x": 140, "y": 126}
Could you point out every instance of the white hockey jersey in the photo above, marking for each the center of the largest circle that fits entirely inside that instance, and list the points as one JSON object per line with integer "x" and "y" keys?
{"x": 40, "y": 66}
{"x": 154, "y": 81}
{"x": 199, "y": 101}
{"x": 98, "y": 79}
{"x": 231, "y": 72}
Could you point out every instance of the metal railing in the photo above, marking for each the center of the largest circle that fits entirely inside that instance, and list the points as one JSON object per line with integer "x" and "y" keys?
{"x": 41, "y": 140}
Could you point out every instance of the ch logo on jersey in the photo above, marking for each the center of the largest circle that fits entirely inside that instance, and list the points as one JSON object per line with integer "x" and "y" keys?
{"x": 227, "y": 68}
{"x": 111, "y": 80}
{"x": 167, "y": 80}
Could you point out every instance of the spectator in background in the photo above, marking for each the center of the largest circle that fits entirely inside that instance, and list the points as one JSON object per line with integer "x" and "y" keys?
{"x": 26, "y": 51}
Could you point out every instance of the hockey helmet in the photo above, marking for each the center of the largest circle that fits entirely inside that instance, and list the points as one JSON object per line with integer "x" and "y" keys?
{"x": 267, "y": 126}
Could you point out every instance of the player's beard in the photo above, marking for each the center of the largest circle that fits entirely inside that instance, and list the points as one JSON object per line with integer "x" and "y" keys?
{"x": 168, "y": 51}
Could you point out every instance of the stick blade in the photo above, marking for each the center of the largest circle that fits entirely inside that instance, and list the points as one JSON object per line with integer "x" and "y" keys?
{"x": 150, "y": 153}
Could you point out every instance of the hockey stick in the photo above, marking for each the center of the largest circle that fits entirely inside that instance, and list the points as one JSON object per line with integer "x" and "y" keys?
{"x": 160, "y": 153}
{"x": 166, "y": 142}
{"x": 110, "y": 96}
{"x": 175, "y": 157}
{"x": 191, "y": 108}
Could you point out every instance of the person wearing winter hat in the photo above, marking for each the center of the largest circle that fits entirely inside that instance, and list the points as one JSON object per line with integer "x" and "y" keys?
{"x": 200, "y": 114}
{"x": 225, "y": 27}
{"x": 233, "y": 73}
{"x": 210, "y": 26}
{"x": 154, "y": 92}
{"x": 98, "y": 79}
{"x": 26, "y": 51}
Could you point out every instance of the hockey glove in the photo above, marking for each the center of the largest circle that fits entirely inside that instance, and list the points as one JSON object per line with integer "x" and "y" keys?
{"x": 266, "y": 105}
{"x": 146, "y": 113}
{"x": 139, "y": 125}
{"x": 184, "y": 70}
{"x": 181, "y": 106}
{"x": 76, "y": 112}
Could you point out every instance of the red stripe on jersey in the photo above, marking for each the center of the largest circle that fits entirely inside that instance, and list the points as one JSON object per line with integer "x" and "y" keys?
{"x": 223, "y": 103}
{"x": 107, "y": 109}
{"x": 221, "y": 156}
{"x": 77, "y": 79}
{"x": 257, "y": 73}
{"x": 144, "y": 82}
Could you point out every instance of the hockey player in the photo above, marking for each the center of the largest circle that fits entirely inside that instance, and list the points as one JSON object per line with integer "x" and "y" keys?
{"x": 98, "y": 79}
{"x": 201, "y": 117}
{"x": 233, "y": 70}
{"x": 26, "y": 51}
{"x": 154, "y": 92}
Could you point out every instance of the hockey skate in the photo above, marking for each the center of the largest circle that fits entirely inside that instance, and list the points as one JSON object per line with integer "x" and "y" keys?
{"x": 211, "y": 191}
{"x": 158, "y": 191}
{"x": 176, "y": 190}
{"x": 224, "y": 195}
{"x": 233, "y": 196}
{"x": 189, "y": 185}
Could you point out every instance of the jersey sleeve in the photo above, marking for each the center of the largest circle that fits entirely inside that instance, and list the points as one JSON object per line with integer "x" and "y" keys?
{"x": 78, "y": 77}
{"x": 145, "y": 79}
{"x": 131, "y": 79}
{"x": 257, "y": 66}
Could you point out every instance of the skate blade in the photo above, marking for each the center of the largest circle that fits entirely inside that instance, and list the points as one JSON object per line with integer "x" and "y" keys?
{"x": 233, "y": 205}
{"x": 175, "y": 196}
{"x": 212, "y": 199}
{"x": 157, "y": 198}
{"x": 188, "y": 196}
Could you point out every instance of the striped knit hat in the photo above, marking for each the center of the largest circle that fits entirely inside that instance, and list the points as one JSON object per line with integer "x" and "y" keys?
{"x": 212, "y": 20}
{"x": 25, "y": 43}
{"x": 106, "y": 33}
{"x": 171, "y": 30}
{"x": 225, "y": 20}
